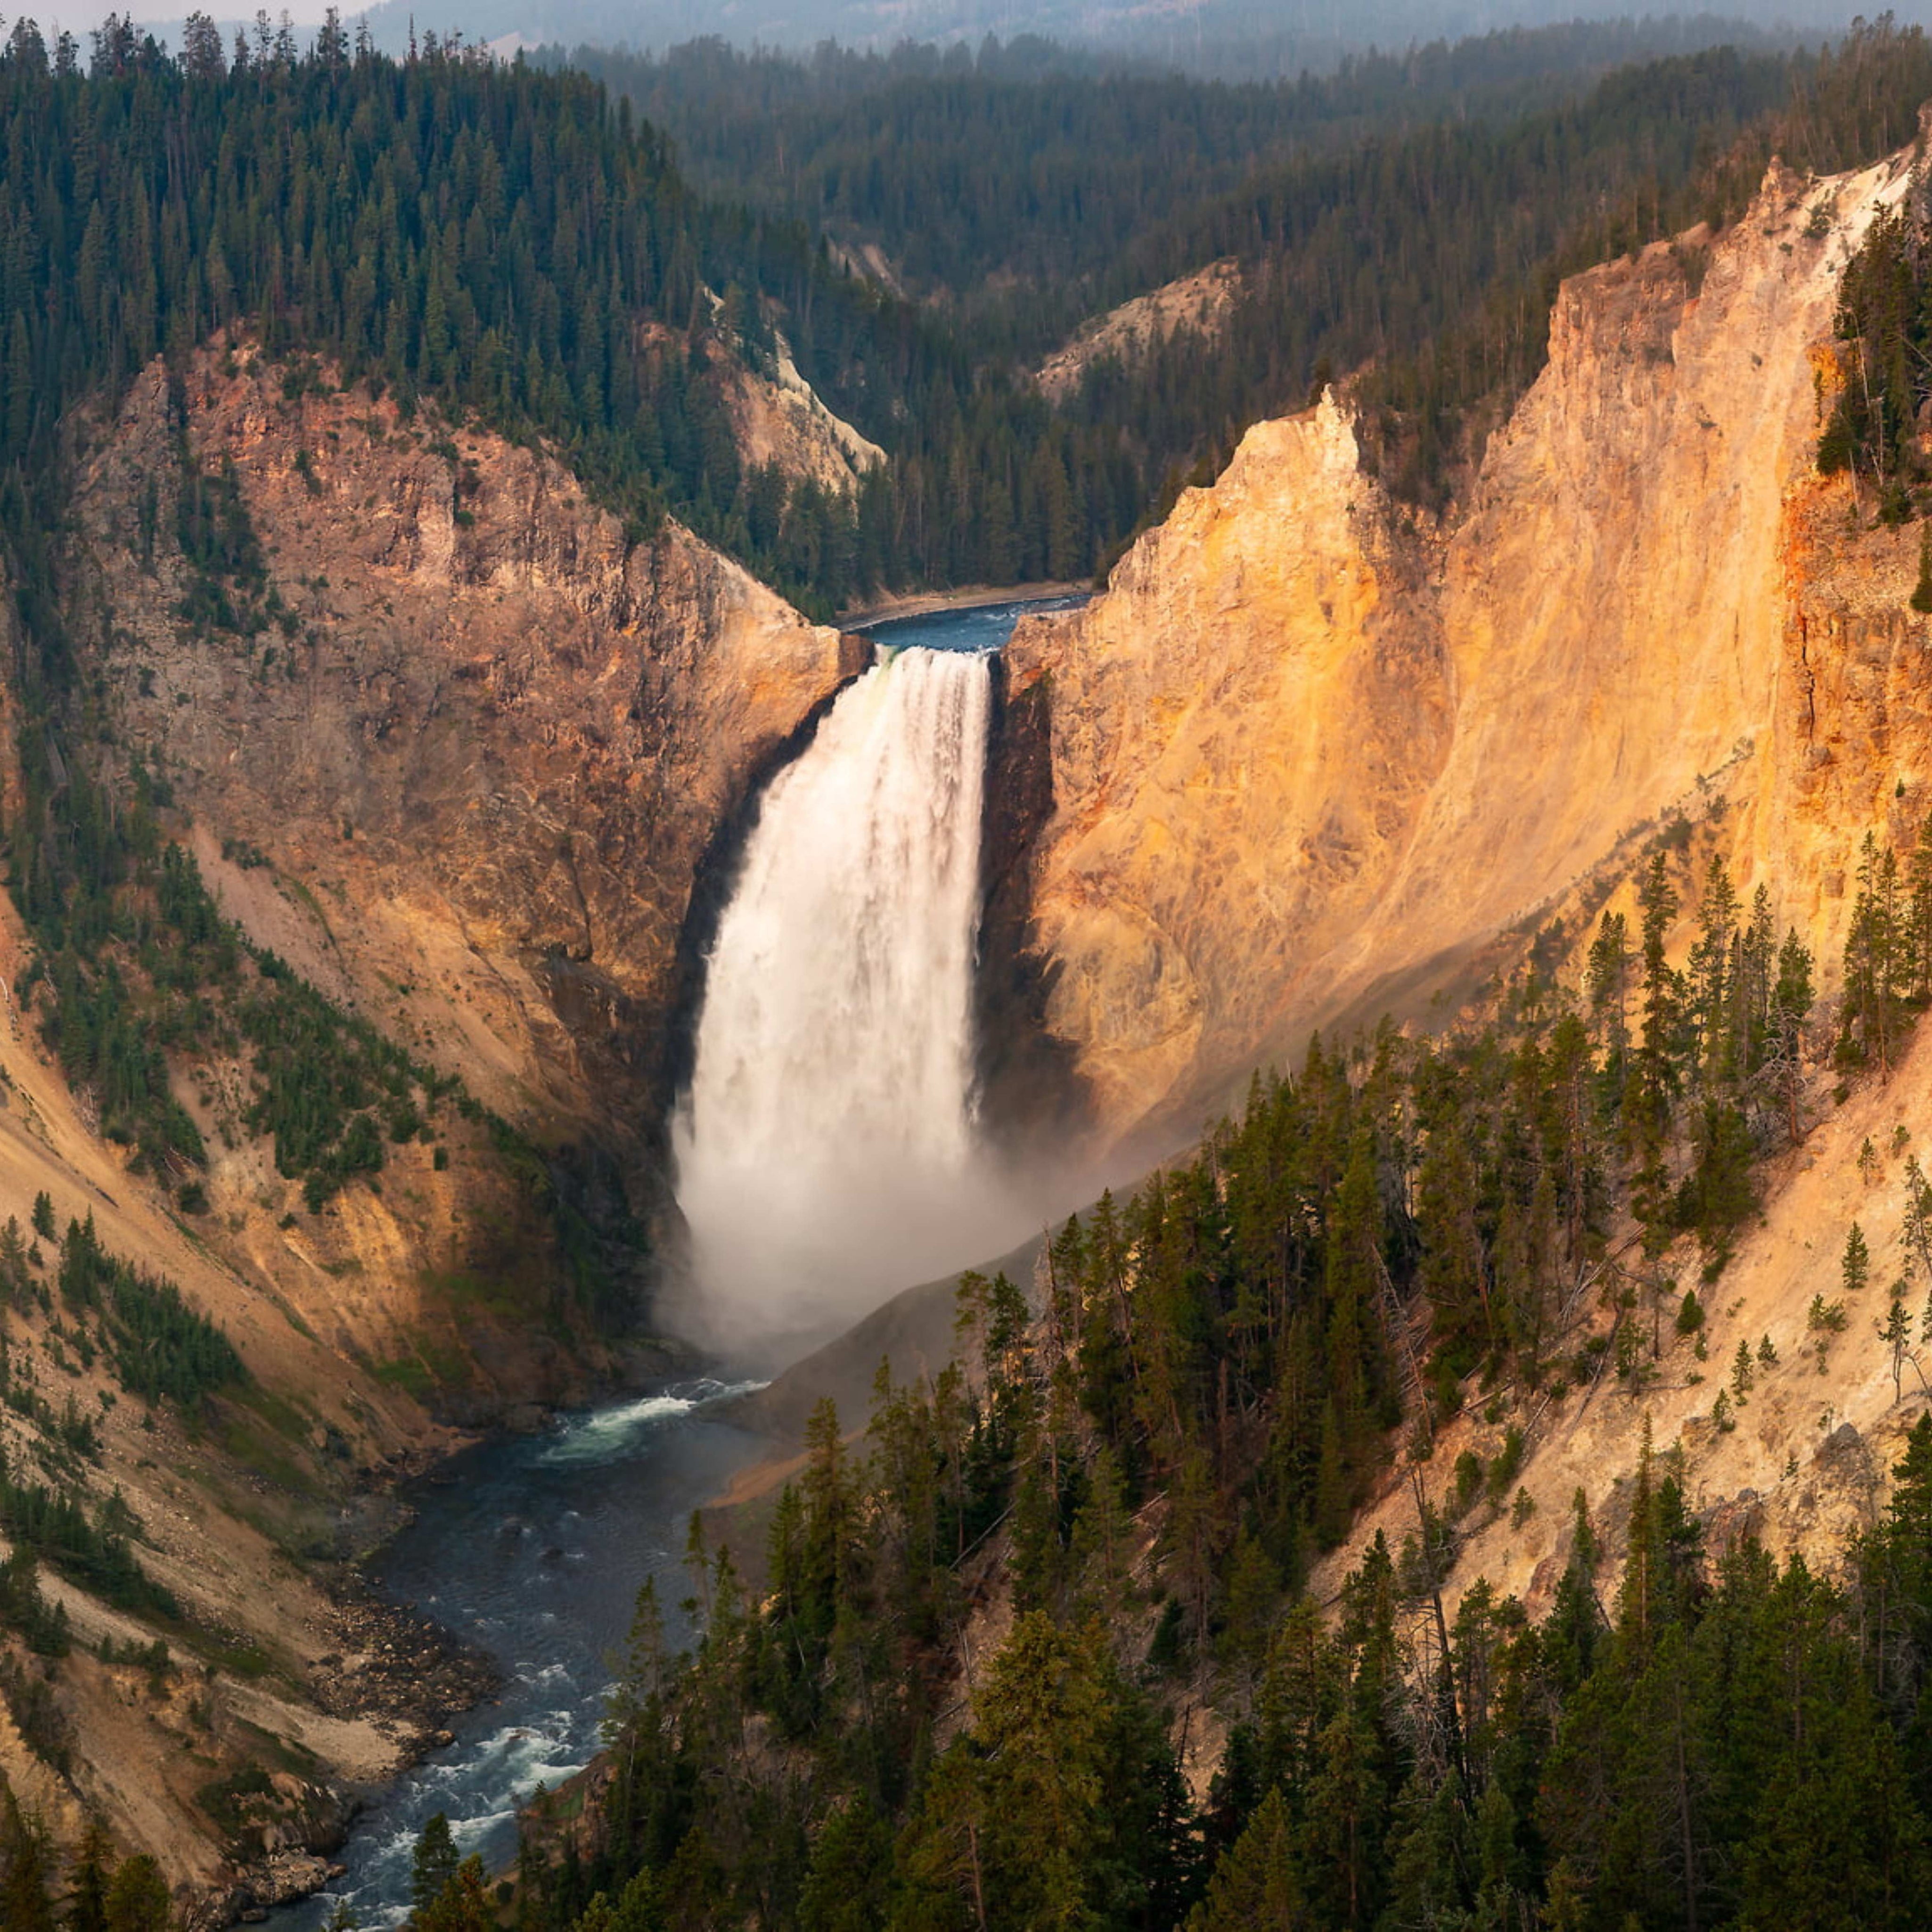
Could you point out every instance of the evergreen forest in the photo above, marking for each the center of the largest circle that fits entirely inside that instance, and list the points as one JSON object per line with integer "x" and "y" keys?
{"x": 953, "y": 1697}
{"x": 523, "y": 246}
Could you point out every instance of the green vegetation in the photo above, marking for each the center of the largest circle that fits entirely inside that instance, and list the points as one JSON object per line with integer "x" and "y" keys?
{"x": 24, "y": 1609}
{"x": 1413, "y": 215}
{"x": 160, "y": 1347}
{"x": 93, "y": 1549}
{"x": 498, "y": 239}
{"x": 138, "y": 977}
{"x": 1885, "y": 321}
{"x": 1223, "y": 1368}
{"x": 218, "y": 543}
{"x": 1226, "y": 1365}
{"x": 1032, "y": 164}
{"x": 331, "y": 1089}
{"x": 100, "y": 1895}
{"x": 1719, "y": 1740}
{"x": 1888, "y": 972}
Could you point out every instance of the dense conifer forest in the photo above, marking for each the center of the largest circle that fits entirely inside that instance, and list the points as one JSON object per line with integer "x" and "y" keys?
{"x": 1885, "y": 325}
{"x": 1035, "y": 163}
{"x": 502, "y": 239}
{"x": 1412, "y": 214}
{"x": 953, "y": 1700}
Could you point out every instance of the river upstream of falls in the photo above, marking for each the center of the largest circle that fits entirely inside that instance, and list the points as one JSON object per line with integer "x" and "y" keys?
{"x": 829, "y": 1126}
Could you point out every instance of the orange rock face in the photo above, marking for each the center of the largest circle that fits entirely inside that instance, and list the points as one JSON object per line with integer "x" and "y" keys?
{"x": 1312, "y": 760}
{"x": 488, "y": 749}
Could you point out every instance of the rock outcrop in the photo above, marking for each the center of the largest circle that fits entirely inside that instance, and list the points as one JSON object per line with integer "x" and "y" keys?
{"x": 1312, "y": 759}
{"x": 487, "y": 751}
{"x": 1243, "y": 731}
{"x": 1196, "y": 305}
{"x": 780, "y": 419}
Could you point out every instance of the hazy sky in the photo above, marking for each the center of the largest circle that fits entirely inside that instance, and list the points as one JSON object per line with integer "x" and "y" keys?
{"x": 659, "y": 22}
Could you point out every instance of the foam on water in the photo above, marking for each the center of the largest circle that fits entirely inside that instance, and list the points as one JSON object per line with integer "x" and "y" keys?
{"x": 536, "y": 1548}
{"x": 606, "y": 1432}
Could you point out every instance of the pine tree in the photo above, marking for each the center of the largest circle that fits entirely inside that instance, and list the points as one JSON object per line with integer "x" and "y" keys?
{"x": 1791, "y": 1002}
{"x": 88, "y": 1882}
{"x": 1875, "y": 958}
{"x": 1895, "y": 1332}
{"x": 1855, "y": 1269}
{"x": 1711, "y": 984}
{"x": 433, "y": 1864}
{"x": 846, "y": 1885}
{"x": 1660, "y": 1563}
{"x": 1258, "y": 1883}
{"x": 464, "y": 1905}
{"x": 1332, "y": 1502}
{"x": 138, "y": 1899}
{"x": 26, "y": 1869}
{"x": 1649, "y": 1099}
{"x": 1919, "y": 909}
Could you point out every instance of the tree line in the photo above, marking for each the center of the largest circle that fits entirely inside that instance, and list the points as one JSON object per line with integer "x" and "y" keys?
{"x": 1139, "y": 1464}
{"x": 1045, "y": 165}
{"x": 498, "y": 238}
{"x": 1877, "y": 426}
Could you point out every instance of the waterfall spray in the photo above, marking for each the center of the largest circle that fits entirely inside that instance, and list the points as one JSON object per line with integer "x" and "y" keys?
{"x": 826, "y": 1151}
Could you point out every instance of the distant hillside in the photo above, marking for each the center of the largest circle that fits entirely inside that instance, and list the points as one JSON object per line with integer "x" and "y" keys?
{"x": 1236, "y": 40}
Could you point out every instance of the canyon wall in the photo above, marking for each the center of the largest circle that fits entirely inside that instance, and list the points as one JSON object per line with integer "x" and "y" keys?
{"x": 485, "y": 752}
{"x": 1313, "y": 758}
{"x": 473, "y": 758}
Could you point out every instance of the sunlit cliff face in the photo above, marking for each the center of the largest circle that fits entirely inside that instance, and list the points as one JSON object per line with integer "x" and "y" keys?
{"x": 1309, "y": 755}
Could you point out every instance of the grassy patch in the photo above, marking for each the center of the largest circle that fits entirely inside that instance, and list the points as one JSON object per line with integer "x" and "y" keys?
{"x": 466, "y": 1288}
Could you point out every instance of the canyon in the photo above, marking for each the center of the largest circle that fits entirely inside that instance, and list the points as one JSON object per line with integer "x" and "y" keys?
{"x": 482, "y": 773}
{"x": 475, "y": 772}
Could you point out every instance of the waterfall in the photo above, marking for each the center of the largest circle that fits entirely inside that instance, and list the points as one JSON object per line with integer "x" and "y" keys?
{"x": 826, "y": 1151}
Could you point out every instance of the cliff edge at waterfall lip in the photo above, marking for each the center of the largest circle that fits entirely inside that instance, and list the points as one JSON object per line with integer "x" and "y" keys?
{"x": 1023, "y": 597}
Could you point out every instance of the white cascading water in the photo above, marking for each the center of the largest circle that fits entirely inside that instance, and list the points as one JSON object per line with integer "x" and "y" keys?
{"x": 825, "y": 1152}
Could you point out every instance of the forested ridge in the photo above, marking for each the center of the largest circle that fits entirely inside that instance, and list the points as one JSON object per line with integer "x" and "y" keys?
{"x": 955, "y": 1697}
{"x": 1415, "y": 215}
{"x": 335, "y": 202}
{"x": 1036, "y": 162}
{"x": 505, "y": 240}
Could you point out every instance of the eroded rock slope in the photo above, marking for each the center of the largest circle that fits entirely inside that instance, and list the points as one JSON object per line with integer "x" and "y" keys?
{"x": 1311, "y": 759}
{"x": 470, "y": 756}
{"x": 487, "y": 749}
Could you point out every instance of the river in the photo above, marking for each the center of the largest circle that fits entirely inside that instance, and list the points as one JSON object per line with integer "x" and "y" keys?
{"x": 534, "y": 1550}
{"x": 967, "y": 627}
